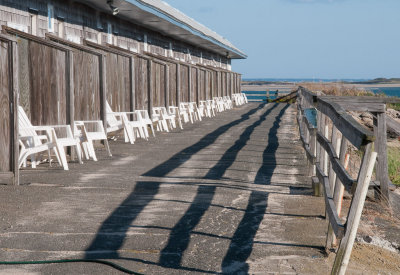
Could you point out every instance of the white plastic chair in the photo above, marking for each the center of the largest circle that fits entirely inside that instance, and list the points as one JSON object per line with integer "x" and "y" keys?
{"x": 52, "y": 135}
{"x": 175, "y": 113}
{"x": 89, "y": 131}
{"x": 143, "y": 115}
{"x": 119, "y": 120}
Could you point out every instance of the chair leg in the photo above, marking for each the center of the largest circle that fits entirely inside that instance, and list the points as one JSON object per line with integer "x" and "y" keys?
{"x": 79, "y": 152}
{"x": 85, "y": 150}
{"x": 107, "y": 147}
{"x": 63, "y": 158}
{"x": 152, "y": 130}
{"x": 90, "y": 147}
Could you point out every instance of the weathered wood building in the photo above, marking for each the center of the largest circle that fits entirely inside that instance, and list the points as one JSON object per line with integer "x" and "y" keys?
{"x": 61, "y": 60}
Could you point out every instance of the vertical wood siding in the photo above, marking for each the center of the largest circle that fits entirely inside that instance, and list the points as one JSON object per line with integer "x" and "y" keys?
{"x": 141, "y": 83}
{"x": 184, "y": 84}
{"x": 42, "y": 77}
{"x": 5, "y": 119}
{"x": 118, "y": 82}
{"x": 86, "y": 86}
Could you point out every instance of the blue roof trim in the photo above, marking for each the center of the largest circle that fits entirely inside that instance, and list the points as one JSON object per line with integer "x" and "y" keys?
{"x": 155, "y": 11}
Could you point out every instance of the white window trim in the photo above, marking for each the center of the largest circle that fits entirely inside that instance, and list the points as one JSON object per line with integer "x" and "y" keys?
{"x": 145, "y": 46}
{"x": 50, "y": 17}
{"x": 109, "y": 33}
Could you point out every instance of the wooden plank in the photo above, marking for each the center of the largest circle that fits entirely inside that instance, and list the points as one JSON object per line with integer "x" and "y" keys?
{"x": 6, "y": 114}
{"x": 102, "y": 90}
{"x": 343, "y": 175}
{"x": 334, "y": 220}
{"x": 310, "y": 156}
{"x": 361, "y": 99}
{"x": 14, "y": 114}
{"x": 190, "y": 88}
{"x": 166, "y": 86}
{"x": 310, "y": 97}
{"x": 178, "y": 84}
{"x": 382, "y": 163}
{"x": 7, "y": 178}
{"x": 150, "y": 86}
{"x": 132, "y": 83}
{"x": 362, "y": 106}
{"x": 353, "y": 219}
{"x": 392, "y": 124}
{"x": 346, "y": 124}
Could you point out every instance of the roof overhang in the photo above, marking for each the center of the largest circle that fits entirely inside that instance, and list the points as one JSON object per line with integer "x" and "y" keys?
{"x": 161, "y": 17}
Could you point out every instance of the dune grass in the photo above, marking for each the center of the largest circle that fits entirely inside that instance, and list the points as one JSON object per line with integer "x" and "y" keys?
{"x": 394, "y": 165}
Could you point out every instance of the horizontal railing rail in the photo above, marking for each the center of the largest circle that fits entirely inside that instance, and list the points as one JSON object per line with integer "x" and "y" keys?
{"x": 326, "y": 131}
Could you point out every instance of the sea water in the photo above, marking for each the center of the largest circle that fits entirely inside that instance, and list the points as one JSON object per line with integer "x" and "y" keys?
{"x": 389, "y": 91}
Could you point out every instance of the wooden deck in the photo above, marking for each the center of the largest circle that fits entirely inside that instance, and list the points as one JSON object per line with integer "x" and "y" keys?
{"x": 228, "y": 194}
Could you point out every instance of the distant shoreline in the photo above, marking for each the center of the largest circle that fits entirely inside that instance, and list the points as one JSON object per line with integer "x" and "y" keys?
{"x": 278, "y": 85}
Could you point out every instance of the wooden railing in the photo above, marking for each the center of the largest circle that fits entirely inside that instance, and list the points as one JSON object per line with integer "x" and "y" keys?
{"x": 326, "y": 131}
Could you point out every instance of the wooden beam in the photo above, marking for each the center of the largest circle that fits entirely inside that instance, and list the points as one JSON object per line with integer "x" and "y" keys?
{"x": 132, "y": 88}
{"x": 178, "y": 84}
{"x": 166, "y": 85}
{"x": 337, "y": 167}
{"x": 190, "y": 84}
{"x": 334, "y": 220}
{"x": 14, "y": 96}
{"x": 345, "y": 123}
{"x": 382, "y": 163}
{"x": 353, "y": 218}
{"x": 150, "y": 86}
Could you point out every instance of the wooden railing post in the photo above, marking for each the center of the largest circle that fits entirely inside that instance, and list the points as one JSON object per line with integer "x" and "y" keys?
{"x": 382, "y": 164}
{"x": 357, "y": 205}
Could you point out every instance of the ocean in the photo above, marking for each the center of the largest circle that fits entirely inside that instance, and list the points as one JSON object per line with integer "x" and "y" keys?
{"x": 389, "y": 91}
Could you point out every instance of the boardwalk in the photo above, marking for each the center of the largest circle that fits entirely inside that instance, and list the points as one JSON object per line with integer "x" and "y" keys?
{"x": 227, "y": 195}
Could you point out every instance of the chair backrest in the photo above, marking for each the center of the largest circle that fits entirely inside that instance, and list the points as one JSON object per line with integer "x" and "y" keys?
{"x": 111, "y": 119}
{"x": 24, "y": 124}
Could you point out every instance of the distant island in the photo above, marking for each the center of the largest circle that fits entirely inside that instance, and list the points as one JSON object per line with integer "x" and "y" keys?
{"x": 380, "y": 80}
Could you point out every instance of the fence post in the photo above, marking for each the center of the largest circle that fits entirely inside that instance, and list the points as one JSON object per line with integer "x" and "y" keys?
{"x": 382, "y": 164}
{"x": 178, "y": 84}
{"x": 150, "y": 86}
{"x": 133, "y": 83}
{"x": 14, "y": 77}
{"x": 346, "y": 245}
{"x": 166, "y": 85}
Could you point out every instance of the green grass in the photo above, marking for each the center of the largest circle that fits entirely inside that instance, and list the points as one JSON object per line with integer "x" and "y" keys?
{"x": 395, "y": 106}
{"x": 394, "y": 165}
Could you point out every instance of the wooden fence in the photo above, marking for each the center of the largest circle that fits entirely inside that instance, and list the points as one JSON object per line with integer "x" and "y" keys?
{"x": 326, "y": 131}
{"x": 61, "y": 81}
{"x": 8, "y": 114}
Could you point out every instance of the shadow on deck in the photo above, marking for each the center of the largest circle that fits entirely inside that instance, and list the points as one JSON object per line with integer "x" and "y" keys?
{"x": 262, "y": 122}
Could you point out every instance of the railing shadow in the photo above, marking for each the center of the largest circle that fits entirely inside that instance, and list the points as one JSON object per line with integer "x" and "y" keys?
{"x": 242, "y": 241}
{"x": 107, "y": 245}
{"x": 178, "y": 242}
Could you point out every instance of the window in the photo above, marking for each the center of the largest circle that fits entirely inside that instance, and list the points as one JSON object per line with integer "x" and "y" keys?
{"x": 109, "y": 33}
{"x": 33, "y": 14}
{"x": 50, "y": 17}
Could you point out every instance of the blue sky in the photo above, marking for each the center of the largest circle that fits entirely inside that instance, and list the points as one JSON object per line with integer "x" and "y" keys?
{"x": 332, "y": 39}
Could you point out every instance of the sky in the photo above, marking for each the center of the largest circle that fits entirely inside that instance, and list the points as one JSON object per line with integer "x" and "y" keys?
{"x": 321, "y": 39}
